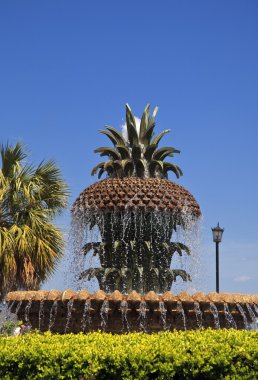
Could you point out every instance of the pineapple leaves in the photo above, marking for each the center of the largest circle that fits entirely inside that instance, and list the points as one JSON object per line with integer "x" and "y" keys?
{"x": 131, "y": 127}
{"x": 110, "y": 136}
{"x": 138, "y": 154}
{"x": 89, "y": 246}
{"x": 100, "y": 173}
{"x": 149, "y": 151}
{"x": 162, "y": 153}
{"x": 140, "y": 168}
{"x": 174, "y": 168}
{"x": 124, "y": 163}
{"x": 132, "y": 134}
{"x": 90, "y": 273}
{"x": 148, "y": 134}
{"x": 97, "y": 167}
{"x": 176, "y": 247}
{"x": 144, "y": 121}
{"x": 119, "y": 138}
{"x": 129, "y": 116}
{"x": 154, "y": 114}
{"x": 181, "y": 273}
{"x": 124, "y": 151}
{"x": 109, "y": 165}
{"x": 157, "y": 139}
{"x": 110, "y": 152}
{"x": 128, "y": 168}
{"x": 156, "y": 165}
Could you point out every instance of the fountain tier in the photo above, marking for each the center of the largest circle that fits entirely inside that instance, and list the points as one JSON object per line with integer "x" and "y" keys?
{"x": 132, "y": 193}
{"x": 69, "y": 311}
{"x": 136, "y": 218}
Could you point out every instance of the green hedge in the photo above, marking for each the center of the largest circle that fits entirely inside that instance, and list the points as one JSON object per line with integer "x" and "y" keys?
{"x": 207, "y": 354}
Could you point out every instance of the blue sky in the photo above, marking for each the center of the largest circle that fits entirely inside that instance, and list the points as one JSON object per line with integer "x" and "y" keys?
{"x": 68, "y": 68}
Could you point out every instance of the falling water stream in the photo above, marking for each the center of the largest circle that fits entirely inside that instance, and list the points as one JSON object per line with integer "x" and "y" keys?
{"x": 229, "y": 318}
{"x": 69, "y": 314}
{"x": 104, "y": 314}
{"x": 18, "y": 307}
{"x": 52, "y": 315}
{"x": 82, "y": 234}
{"x": 198, "y": 314}
{"x": 142, "y": 316}
{"x": 163, "y": 315}
{"x": 41, "y": 313}
{"x": 215, "y": 313}
{"x": 251, "y": 313}
{"x": 27, "y": 313}
{"x": 86, "y": 319}
{"x": 180, "y": 309}
{"x": 6, "y": 314}
{"x": 124, "y": 311}
{"x": 242, "y": 312}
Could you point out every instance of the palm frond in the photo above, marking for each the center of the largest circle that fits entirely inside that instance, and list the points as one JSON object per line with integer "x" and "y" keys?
{"x": 30, "y": 245}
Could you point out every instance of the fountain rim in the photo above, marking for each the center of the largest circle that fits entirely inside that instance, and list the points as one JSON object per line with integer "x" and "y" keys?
{"x": 133, "y": 297}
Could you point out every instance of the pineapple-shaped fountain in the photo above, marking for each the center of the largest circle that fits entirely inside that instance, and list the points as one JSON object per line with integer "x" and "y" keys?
{"x": 136, "y": 209}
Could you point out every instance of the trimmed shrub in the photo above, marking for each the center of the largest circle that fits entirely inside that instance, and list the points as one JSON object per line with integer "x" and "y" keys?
{"x": 206, "y": 354}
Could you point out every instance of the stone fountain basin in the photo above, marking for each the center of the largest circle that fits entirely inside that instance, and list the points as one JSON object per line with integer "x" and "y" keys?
{"x": 70, "y": 311}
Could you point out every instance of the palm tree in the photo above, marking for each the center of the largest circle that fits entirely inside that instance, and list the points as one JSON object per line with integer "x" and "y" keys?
{"x": 30, "y": 197}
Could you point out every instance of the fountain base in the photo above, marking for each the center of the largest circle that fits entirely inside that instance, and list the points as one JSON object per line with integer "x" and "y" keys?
{"x": 71, "y": 312}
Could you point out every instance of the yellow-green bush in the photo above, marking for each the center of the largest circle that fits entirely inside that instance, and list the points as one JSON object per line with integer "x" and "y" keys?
{"x": 207, "y": 354}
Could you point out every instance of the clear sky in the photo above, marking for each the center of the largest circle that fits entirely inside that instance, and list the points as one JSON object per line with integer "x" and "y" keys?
{"x": 67, "y": 68}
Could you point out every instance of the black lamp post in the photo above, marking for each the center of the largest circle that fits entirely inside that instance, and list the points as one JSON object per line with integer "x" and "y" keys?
{"x": 217, "y": 237}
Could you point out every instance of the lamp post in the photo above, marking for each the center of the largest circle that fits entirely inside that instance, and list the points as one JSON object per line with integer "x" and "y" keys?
{"x": 217, "y": 237}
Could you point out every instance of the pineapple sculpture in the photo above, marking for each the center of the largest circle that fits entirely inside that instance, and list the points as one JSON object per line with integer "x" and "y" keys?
{"x": 136, "y": 209}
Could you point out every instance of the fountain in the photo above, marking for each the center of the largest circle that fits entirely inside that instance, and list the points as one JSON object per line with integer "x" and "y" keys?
{"x": 136, "y": 211}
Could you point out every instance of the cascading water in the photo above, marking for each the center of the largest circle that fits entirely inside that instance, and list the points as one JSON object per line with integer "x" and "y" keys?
{"x": 6, "y": 314}
{"x": 252, "y": 315}
{"x": 182, "y": 312}
{"x": 86, "y": 319}
{"x": 163, "y": 315}
{"x": 104, "y": 314}
{"x": 27, "y": 312}
{"x": 69, "y": 314}
{"x": 52, "y": 315}
{"x": 215, "y": 314}
{"x": 142, "y": 316}
{"x": 242, "y": 312}
{"x": 132, "y": 243}
{"x": 198, "y": 314}
{"x": 229, "y": 317}
{"x": 124, "y": 311}
{"x": 19, "y": 304}
{"x": 41, "y": 313}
